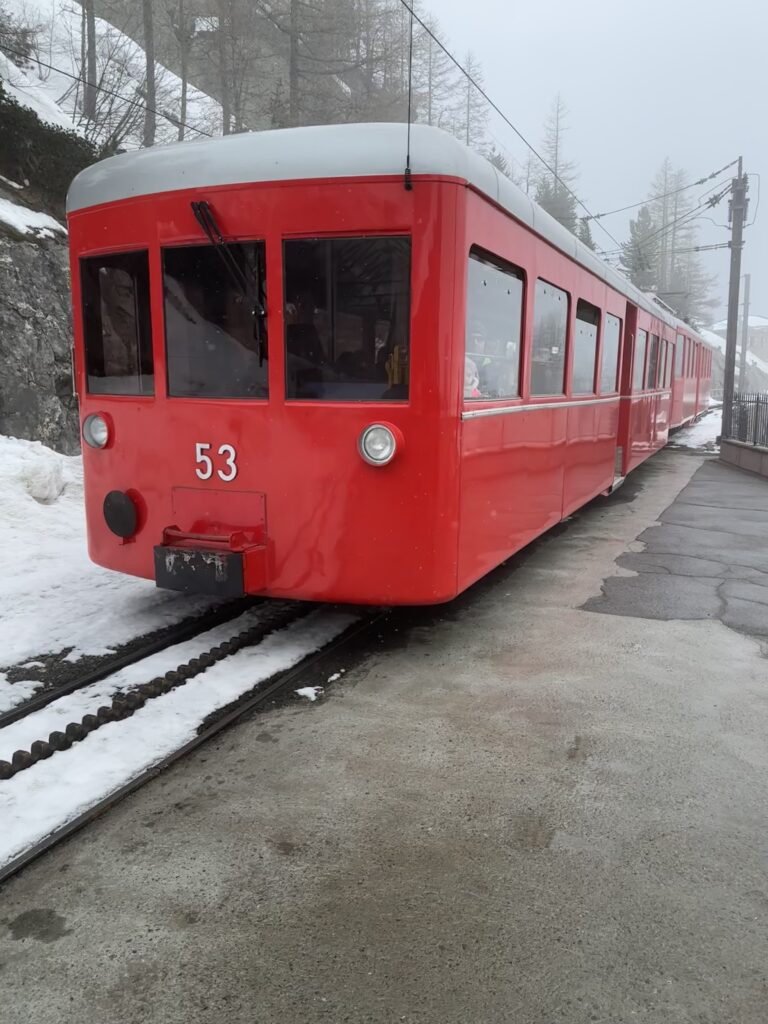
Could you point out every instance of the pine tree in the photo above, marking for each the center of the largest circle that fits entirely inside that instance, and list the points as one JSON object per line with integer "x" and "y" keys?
{"x": 658, "y": 255}
{"x": 500, "y": 162}
{"x": 584, "y": 233}
{"x": 638, "y": 255}
{"x": 554, "y": 189}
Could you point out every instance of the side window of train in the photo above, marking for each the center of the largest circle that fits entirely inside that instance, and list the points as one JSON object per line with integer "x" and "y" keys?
{"x": 347, "y": 318}
{"x": 215, "y": 333}
{"x": 679, "y": 355}
{"x": 653, "y": 362}
{"x": 585, "y": 348}
{"x": 494, "y": 327}
{"x": 116, "y": 325}
{"x": 638, "y": 365}
{"x": 550, "y": 331}
{"x": 610, "y": 365}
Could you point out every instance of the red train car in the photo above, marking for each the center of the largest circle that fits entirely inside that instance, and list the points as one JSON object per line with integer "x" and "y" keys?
{"x": 303, "y": 375}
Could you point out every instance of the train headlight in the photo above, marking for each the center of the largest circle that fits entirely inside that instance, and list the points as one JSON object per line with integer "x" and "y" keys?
{"x": 95, "y": 431}
{"x": 378, "y": 443}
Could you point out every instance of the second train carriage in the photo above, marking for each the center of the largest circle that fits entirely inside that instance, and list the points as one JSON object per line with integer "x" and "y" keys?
{"x": 299, "y": 377}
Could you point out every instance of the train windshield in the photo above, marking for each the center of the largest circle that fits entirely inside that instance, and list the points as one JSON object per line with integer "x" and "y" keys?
{"x": 347, "y": 315}
{"x": 214, "y": 334}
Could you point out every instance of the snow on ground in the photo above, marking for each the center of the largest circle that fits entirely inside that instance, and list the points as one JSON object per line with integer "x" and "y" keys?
{"x": 702, "y": 435}
{"x": 311, "y": 693}
{"x": 29, "y": 222}
{"x": 43, "y": 798}
{"x": 717, "y": 342}
{"x": 55, "y": 94}
{"x": 52, "y": 597}
{"x": 28, "y": 90}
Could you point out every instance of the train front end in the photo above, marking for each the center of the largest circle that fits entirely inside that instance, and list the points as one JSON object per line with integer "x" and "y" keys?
{"x": 265, "y": 379}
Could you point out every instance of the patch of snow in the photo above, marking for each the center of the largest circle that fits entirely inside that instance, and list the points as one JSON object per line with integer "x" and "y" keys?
{"x": 701, "y": 435}
{"x": 719, "y": 343}
{"x": 29, "y": 222}
{"x": 310, "y": 692}
{"x": 53, "y": 597}
{"x": 9, "y": 183}
{"x": 755, "y": 320}
{"x": 30, "y": 91}
{"x": 55, "y": 93}
{"x": 43, "y": 798}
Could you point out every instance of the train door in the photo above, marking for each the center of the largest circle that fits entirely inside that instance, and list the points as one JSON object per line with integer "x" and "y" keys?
{"x": 623, "y": 439}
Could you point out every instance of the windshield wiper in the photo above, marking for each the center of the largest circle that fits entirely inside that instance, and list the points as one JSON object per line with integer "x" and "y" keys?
{"x": 255, "y": 296}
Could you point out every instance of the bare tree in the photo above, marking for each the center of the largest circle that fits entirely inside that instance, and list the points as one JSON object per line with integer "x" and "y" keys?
{"x": 89, "y": 63}
{"x": 183, "y": 29}
{"x": 150, "y": 117}
{"x": 554, "y": 189}
{"x": 471, "y": 113}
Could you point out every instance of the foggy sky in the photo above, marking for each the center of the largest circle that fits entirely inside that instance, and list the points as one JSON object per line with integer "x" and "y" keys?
{"x": 686, "y": 79}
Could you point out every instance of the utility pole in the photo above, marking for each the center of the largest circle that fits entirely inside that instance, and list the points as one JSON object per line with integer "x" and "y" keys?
{"x": 744, "y": 338}
{"x": 738, "y": 214}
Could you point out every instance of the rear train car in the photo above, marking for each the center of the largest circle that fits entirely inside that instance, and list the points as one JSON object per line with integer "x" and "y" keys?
{"x": 302, "y": 375}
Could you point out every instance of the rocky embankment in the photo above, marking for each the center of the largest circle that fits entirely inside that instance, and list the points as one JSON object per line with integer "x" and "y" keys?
{"x": 36, "y": 400}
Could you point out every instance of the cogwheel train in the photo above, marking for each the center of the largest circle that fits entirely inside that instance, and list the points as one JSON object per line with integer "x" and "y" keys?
{"x": 304, "y": 375}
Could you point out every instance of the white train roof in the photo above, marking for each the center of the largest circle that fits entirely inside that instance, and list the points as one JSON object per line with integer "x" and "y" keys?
{"x": 333, "y": 151}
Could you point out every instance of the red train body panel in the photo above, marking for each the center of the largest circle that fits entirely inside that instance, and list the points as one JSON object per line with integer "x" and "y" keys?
{"x": 475, "y": 476}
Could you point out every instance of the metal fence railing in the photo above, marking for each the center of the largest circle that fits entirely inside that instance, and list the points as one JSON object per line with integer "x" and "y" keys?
{"x": 749, "y": 420}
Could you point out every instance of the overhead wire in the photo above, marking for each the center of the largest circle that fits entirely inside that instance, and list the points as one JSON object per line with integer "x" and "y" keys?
{"x": 665, "y": 195}
{"x": 683, "y": 219}
{"x": 505, "y": 118}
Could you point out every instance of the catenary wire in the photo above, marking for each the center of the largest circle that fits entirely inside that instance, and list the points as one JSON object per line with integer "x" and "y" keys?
{"x": 504, "y": 117}
{"x": 665, "y": 195}
{"x": 657, "y": 235}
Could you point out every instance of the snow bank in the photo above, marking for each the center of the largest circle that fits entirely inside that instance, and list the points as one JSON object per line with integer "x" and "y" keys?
{"x": 52, "y": 597}
{"x": 719, "y": 343}
{"x": 701, "y": 435}
{"x": 29, "y": 222}
{"x": 53, "y": 93}
{"x": 29, "y": 91}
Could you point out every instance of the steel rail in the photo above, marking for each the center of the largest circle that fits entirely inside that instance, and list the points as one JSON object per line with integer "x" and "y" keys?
{"x": 171, "y": 635}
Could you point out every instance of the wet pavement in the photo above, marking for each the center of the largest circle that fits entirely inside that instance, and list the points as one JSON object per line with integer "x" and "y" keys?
{"x": 706, "y": 558}
{"x": 544, "y": 803}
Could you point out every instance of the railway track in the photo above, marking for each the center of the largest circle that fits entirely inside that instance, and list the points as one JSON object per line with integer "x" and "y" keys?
{"x": 127, "y": 701}
{"x": 109, "y": 665}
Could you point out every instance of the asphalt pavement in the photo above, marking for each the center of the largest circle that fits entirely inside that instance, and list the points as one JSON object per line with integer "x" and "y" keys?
{"x": 543, "y": 803}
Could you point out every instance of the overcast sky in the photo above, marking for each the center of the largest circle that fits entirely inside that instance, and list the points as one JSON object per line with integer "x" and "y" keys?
{"x": 686, "y": 79}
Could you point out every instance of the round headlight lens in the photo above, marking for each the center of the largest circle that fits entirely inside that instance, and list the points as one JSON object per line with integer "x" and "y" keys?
{"x": 95, "y": 431}
{"x": 377, "y": 445}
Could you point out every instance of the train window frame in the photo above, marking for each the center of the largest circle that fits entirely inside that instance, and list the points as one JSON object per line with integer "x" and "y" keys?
{"x": 174, "y": 390}
{"x": 652, "y": 362}
{"x": 638, "y": 371}
{"x": 472, "y": 379}
{"x": 594, "y": 342}
{"x": 679, "y": 354}
{"x": 567, "y": 343}
{"x": 608, "y": 319}
{"x": 92, "y": 321}
{"x": 330, "y": 391}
